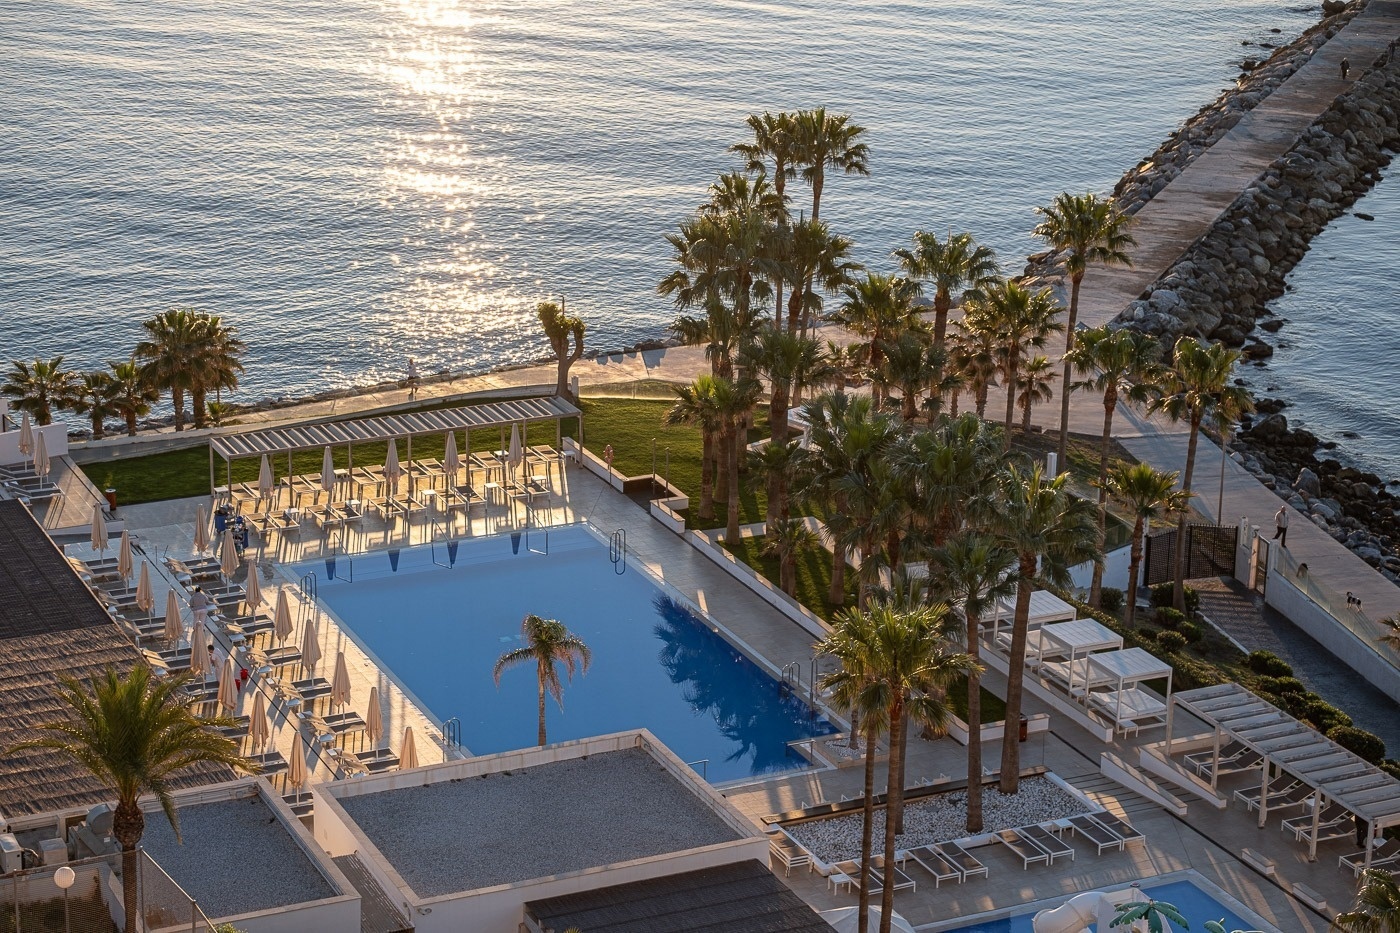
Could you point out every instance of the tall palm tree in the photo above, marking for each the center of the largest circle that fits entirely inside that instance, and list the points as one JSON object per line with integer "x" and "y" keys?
{"x": 955, "y": 265}
{"x": 132, "y": 395}
{"x": 1197, "y": 388}
{"x": 775, "y": 150}
{"x": 1377, "y": 907}
{"x": 734, "y": 400}
{"x": 92, "y": 395}
{"x": 737, "y": 193}
{"x": 1124, "y": 365}
{"x": 877, "y": 500}
{"x": 815, "y": 257}
{"x": 974, "y": 573}
{"x": 1024, "y": 320}
{"x": 1147, "y": 494}
{"x": 782, "y": 467}
{"x": 1050, "y": 530}
{"x": 219, "y": 363}
{"x": 786, "y": 540}
{"x": 548, "y": 644}
{"x": 170, "y": 355}
{"x": 39, "y": 387}
{"x": 913, "y": 365}
{"x": 136, "y": 734}
{"x": 1036, "y": 384}
{"x": 877, "y": 308}
{"x": 695, "y": 405}
{"x": 1087, "y": 229}
{"x": 828, "y": 140}
{"x": 789, "y": 362}
{"x": 973, "y": 355}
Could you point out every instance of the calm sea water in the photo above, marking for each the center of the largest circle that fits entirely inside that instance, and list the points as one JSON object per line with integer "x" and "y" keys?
{"x": 1337, "y": 353}
{"x": 353, "y": 183}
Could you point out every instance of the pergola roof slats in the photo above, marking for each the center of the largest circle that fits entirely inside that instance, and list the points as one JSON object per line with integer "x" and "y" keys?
{"x": 385, "y": 427}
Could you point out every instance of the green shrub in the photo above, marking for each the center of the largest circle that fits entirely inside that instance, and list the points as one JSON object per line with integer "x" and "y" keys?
{"x": 1193, "y": 600}
{"x": 1192, "y": 631}
{"x": 1323, "y": 715}
{"x": 1171, "y": 642}
{"x": 1162, "y": 597}
{"x": 1168, "y": 617}
{"x": 1282, "y": 686}
{"x": 1110, "y": 599}
{"x": 1391, "y": 767}
{"x": 1366, "y": 744}
{"x": 1268, "y": 663}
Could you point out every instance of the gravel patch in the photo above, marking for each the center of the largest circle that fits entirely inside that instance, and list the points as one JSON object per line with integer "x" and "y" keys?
{"x": 472, "y": 833}
{"x": 236, "y": 858}
{"x": 940, "y": 818}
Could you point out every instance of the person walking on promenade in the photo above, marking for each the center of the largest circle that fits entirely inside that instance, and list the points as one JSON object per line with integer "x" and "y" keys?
{"x": 1346, "y": 66}
{"x": 1281, "y": 525}
{"x": 412, "y": 379}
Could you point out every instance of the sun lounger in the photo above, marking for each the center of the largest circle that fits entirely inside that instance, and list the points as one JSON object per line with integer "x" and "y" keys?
{"x": 312, "y": 687}
{"x": 341, "y": 723}
{"x": 848, "y": 873}
{"x": 1053, "y": 845}
{"x": 789, "y": 856}
{"x": 379, "y": 759}
{"x": 1301, "y": 826}
{"x": 1119, "y": 827}
{"x": 1387, "y": 853}
{"x": 269, "y": 762}
{"x": 1249, "y": 796}
{"x": 933, "y": 863}
{"x": 1095, "y": 833}
{"x": 192, "y": 571}
{"x": 1028, "y": 852}
{"x": 965, "y": 862}
{"x": 236, "y": 731}
{"x": 284, "y": 656}
{"x": 1237, "y": 764}
{"x": 879, "y": 875}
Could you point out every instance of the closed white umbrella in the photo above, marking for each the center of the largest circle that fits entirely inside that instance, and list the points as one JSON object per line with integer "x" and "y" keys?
{"x": 282, "y": 618}
{"x": 228, "y": 687}
{"x": 265, "y": 478}
{"x": 228, "y": 555}
{"x": 41, "y": 455}
{"x": 515, "y": 455}
{"x": 125, "y": 564}
{"x": 374, "y": 719}
{"x": 253, "y": 594}
{"x": 258, "y": 730}
{"x": 311, "y": 647}
{"x": 296, "y": 775}
{"x": 201, "y": 530}
{"x": 328, "y": 472}
{"x": 199, "y": 652}
{"x": 174, "y": 628}
{"x": 408, "y": 755}
{"x": 26, "y": 435}
{"x": 451, "y": 461}
{"x": 99, "y": 528}
{"x": 340, "y": 682}
{"x": 145, "y": 597}
{"x": 392, "y": 470}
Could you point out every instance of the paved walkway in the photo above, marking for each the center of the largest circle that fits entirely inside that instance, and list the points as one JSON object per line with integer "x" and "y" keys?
{"x": 1186, "y": 208}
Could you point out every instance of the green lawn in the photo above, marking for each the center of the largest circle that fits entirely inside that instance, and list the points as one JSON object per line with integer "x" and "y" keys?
{"x": 993, "y": 706}
{"x": 813, "y": 575}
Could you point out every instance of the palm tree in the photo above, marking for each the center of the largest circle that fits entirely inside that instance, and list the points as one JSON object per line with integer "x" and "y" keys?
{"x": 1037, "y": 384}
{"x": 737, "y": 193}
{"x": 877, "y": 500}
{"x": 1156, "y": 914}
{"x": 560, "y": 328}
{"x": 92, "y": 396}
{"x": 782, "y": 466}
{"x": 829, "y": 141}
{"x": 734, "y": 399}
{"x": 876, "y": 309}
{"x": 695, "y": 405}
{"x": 220, "y": 363}
{"x": 786, "y": 540}
{"x": 1087, "y": 229}
{"x": 1377, "y": 907}
{"x": 775, "y": 141}
{"x": 136, "y": 734}
{"x": 39, "y": 387}
{"x": 1123, "y": 365}
{"x": 948, "y": 471}
{"x": 974, "y": 573}
{"x": 958, "y": 264}
{"x": 132, "y": 395}
{"x": 170, "y": 354}
{"x": 1196, "y": 388}
{"x": 548, "y": 644}
{"x": 1024, "y": 320}
{"x": 1147, "y": 494}
{"x": 973, "y": 355}
{"x": 815, "y": 257}
{"x": 913, "y": 365}
{"x": 789, "y": 362}
{"x": 1050, "y": 530}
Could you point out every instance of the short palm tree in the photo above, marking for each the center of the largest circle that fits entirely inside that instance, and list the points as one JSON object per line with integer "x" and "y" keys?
{"x": 170, "y": 355}
{"x": 816, "y": 257}
{"x": 782, "y": 467}
{"x": 1050, "y": 530}
{"x": 787, "y": 540}
{"x": 774, "y": 151}
{"x": 1147, "y": 494}
{"x": 695, "y": 406}
{"x": 562, "y": 329}
{"x": 135, "y": 733}
{"x": 1087, "y": 229}
{"x": 876, "y": 309}
{"x": 92, "y": 395}
{"x": 1156, "y": 914}
{"x": 1024, "y": 321}
{"x": 955, "y": 265}
{"x": 39, "y": 387}
{"x": 1124, "y": 365}
{"x": 1036, "y": 384}
{"x": 548, "y": 644}
{"x": 914, "y": 366}
{"x": 973, "y": 357}
{"x": 219, "y": 363}
{"x": 132, "y": 394}
{"x": 1197, "y": 389}
{"x": 734, "y": 401}
{"x": 1377, "y": 907}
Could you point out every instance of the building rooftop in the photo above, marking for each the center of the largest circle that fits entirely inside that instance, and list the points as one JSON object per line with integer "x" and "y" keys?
{"x": 547, "y": 819}
{"x": 237, "y": 857}
{"x": 39, "y": 592}
{"x": 744, "y": 897}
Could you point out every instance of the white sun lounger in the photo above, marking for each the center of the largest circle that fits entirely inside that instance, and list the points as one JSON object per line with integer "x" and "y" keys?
{"x": 967, "y": 863}
{"x": 1119, "y": 827}
{"x": 1053, "y": 845}
{"x": 935, "y": 864}
{"x": 1387, "y": 853}
{"x": 1028, "y": 852}
{"x": 1095, "y": 833}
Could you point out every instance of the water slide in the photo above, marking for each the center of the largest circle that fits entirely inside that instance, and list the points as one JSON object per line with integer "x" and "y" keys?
{"x": 1087, "y": 912}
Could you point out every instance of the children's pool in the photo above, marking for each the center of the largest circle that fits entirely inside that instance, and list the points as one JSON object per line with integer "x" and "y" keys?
{"x": 438, "y": 616}
{"x": 1195, "y": 904}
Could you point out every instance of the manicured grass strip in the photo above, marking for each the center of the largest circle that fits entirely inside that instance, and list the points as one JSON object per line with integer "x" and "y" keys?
{"x": 993, "y": 706}
{"x": 813, "y": 575}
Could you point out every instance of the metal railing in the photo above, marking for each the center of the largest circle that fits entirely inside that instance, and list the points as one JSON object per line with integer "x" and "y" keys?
{"x": 1347, "y": 610}
{"x": 90, "y": 896}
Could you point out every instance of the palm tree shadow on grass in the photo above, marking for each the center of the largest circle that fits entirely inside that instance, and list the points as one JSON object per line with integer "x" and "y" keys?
{"x": 745, "y": 706}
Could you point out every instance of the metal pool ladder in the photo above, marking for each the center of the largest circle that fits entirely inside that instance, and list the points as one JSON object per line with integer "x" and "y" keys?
{"x": 308, "y": 589}
{"x": 451, "y": 735}
{"x": 617, "y": 551}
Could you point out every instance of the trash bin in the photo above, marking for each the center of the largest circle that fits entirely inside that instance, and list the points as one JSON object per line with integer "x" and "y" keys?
{"x": 111, "y": 495}
{"x": 1025, "y": 728}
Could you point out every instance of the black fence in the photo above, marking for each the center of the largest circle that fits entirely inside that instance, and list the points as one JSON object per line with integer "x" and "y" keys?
{"x": 1210, "y": 552}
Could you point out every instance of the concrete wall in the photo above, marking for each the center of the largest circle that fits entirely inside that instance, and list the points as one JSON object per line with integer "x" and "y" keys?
{"x": 340, "y": 913}
{"x": 760, "y": 585}
{"x": 55, "y": 438}
{"x": 1332, "y": 635}
{"x": 1115, "y": 570}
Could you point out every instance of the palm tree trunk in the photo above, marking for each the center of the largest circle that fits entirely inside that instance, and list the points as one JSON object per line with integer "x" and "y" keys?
{"x": 1026, "y": 416}
{"x": 982, "y": 401}
{"x": 722, "y": 462}
{"x": 867, "y": 830}
{"x": 707, "y": 476}
{"x": 197, "y": 404}
{"x": 96, "y": 423}
{"x": 1179, "y": 579}
{"x": 1016, "y": 672}
{"x": 787, "y": 572}
{"x": 1110, "y": 402}
{"x": 1134, "y": 565}
{"x": 542, "y": 738}
{"x": 942, "y": 304}
{"x": 1013, "y": 365}
{"x": 1074, "y": 283}
{"x": 128, "y": 825}
{"x": 731, "y": 532}
{"x": 131, "y": 422}
{"x": 177, "y": 398}
{"x": 974, "y": 726}
{"x": 778, "y": 305}
{"x": 953, "y": 405}
{"x": 894, "y": 799}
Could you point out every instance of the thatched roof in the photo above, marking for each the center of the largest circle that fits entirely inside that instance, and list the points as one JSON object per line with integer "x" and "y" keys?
{"x": 50, "y": 625}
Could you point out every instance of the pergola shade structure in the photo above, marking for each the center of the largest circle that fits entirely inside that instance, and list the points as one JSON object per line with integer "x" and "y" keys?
{"x": 1124, "y": 701}
{"x": 1293, "y": 749}
{"x": 1045, "y": 608}
{"x": 321, "y": 434}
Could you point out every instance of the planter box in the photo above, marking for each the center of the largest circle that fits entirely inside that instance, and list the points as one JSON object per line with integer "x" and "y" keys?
{"x": 993, "y": 731}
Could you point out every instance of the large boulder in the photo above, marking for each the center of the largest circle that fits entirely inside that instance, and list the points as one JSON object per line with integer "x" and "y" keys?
{"x": 1308, "y": 483}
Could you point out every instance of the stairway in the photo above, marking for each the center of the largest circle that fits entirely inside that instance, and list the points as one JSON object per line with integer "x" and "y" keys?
{"x": 1112, "y": 796}
{"x": 377, "y": 913}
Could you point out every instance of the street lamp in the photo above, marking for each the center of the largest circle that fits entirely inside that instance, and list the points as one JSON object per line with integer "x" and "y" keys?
{"x": 64, "y": 878}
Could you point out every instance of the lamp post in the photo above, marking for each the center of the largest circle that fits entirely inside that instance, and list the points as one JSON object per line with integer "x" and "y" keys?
{"x": 64, "y": 878}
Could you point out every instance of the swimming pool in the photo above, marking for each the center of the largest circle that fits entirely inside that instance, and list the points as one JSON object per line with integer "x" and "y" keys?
{"x": 438, "y": 616}
{"x": 1197, "y": 905}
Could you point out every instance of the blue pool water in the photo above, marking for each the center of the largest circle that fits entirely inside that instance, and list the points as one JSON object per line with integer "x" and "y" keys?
{"x": 439, "y": 616}
{"x": 1195, "y": 904}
